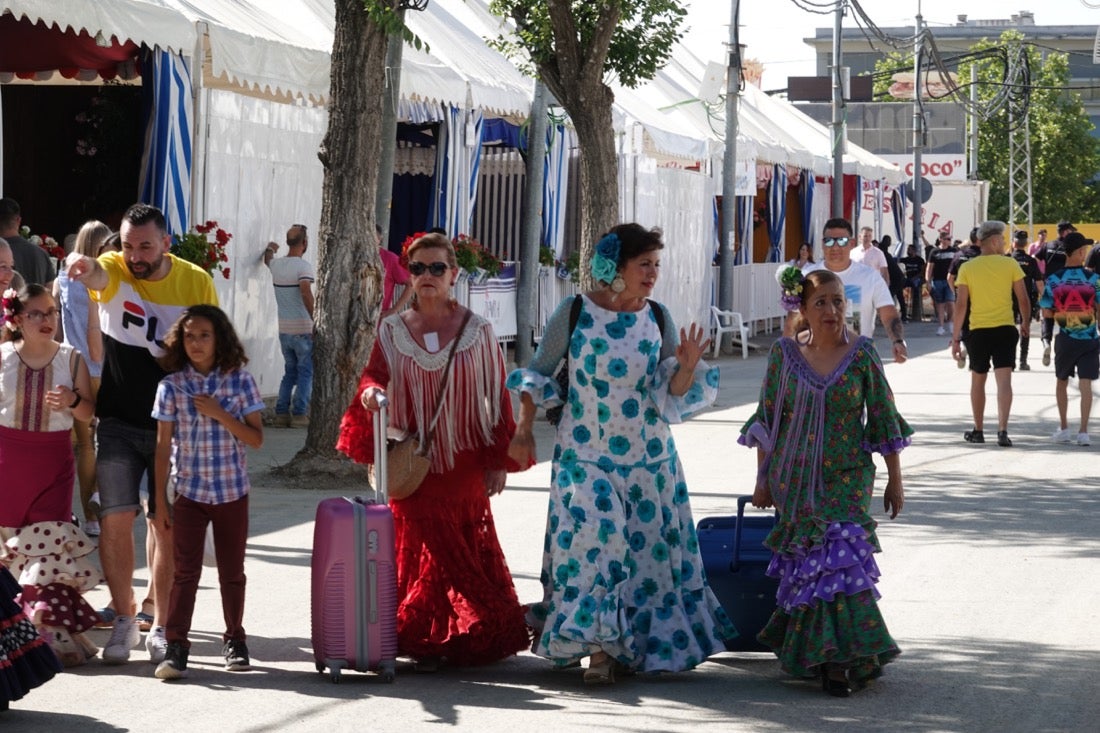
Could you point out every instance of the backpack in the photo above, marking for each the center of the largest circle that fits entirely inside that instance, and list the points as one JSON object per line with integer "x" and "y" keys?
{"x": 553, "y": 415}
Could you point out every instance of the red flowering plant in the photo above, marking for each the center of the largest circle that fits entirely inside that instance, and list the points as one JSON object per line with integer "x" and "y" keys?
{"x": 46, "y": 243}
{"x": 197, "y": 247}
{"x": 472, "y": 256}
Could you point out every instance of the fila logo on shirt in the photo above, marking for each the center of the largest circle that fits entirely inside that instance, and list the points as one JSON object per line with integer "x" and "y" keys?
{"x": 133, "y": 315}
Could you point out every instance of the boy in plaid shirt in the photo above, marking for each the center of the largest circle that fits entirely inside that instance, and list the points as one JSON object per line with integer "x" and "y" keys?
{"x": 207, "y": 409}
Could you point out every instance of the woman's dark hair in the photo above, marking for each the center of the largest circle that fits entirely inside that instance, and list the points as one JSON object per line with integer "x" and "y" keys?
{"x": 18, "y": 305}
{"x": 634, "y": 239}
{"x": 228, "y": 351}
{"x": 810, "y": 283}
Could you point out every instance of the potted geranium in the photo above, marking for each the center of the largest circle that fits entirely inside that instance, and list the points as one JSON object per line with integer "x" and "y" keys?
{"x": 479, "y": 262}
{"x": 204, "y": 245}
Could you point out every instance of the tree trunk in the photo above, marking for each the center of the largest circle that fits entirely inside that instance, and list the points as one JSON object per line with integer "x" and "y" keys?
{"x": 349, "y": 273}
{"x": 590, "y": 111}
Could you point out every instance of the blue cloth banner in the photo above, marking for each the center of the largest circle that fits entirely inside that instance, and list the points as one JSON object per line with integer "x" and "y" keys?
{"x": 458, "y": 160}
{"x": 745, "y": 225}
{"x": 777, "y": 212}
{"x": 165, "y": 178}
{"x": 806, "y": 204}
{"x": 555, "y": 186}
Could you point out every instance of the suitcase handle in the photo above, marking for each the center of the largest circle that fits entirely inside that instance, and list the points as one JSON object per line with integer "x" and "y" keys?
{"x": 741, "y": 502}
{"x": 381, "y": 469}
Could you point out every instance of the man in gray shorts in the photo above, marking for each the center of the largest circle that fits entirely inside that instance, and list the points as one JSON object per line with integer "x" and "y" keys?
{"x": 140, "y": 291}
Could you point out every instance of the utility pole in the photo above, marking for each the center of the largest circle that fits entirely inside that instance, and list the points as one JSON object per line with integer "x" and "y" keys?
{"x": 918, "y": 133}
{"x": 840, "y": 132}
{"x": 527, "y": 288}
{"x": 728, "y": 235}
{"x": 973, "y": 141}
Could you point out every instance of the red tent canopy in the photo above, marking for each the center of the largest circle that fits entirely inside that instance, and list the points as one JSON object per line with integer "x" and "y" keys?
{"x": 27, "y": 48}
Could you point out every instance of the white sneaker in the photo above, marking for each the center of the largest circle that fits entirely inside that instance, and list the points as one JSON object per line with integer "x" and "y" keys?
{"x": 124, "y": 637}
{"x": 1062, "y": 436}
{"x": 940, "y": 331}
{"x": 1083, "y": 439}
{"x": 156, "y": 644}
{"x": 1046, "y": 353}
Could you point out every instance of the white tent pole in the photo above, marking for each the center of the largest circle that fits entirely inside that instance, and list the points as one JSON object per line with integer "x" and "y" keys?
{"x": 200, "y": 123}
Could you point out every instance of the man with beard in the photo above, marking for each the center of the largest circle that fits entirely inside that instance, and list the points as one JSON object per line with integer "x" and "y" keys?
{"x": 141, "y": 291}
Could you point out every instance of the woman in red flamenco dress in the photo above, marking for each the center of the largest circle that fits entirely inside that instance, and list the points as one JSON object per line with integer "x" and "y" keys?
{"x": 457, "y": 602}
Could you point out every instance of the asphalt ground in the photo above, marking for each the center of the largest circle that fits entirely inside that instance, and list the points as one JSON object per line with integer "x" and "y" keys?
{"x": 990, "y": 586}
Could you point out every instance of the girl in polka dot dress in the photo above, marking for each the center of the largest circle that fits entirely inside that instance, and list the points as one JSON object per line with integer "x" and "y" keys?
{"x": 43, "y": 386}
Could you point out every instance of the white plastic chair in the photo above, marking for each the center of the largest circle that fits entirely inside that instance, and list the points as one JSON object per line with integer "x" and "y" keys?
{"x": 730, "y": 322}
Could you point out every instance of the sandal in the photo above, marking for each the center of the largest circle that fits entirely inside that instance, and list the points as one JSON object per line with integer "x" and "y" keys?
{"x": 973, "y": 436}
{"x": 600, "y": 673}
{"x": 1002, "y": 439}
{"x": 106, "y": 618}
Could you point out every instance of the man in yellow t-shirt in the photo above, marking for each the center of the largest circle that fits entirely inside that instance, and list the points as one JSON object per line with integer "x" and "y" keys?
{"x": 140, "y": 292}
{"x": 986, "y": 283}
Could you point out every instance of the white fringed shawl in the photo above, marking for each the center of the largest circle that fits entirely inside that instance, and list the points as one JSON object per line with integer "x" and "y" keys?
{"x": 471, "y": 406}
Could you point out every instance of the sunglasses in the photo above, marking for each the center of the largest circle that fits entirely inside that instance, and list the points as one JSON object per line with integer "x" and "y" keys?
{"x": 836, "y": 241}
{"x": 436, "y": 268}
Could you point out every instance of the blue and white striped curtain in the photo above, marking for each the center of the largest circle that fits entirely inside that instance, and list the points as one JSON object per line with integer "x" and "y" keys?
{"x": 806, "y": 204}
{"x": 458, "y": 160}
{"x": 745, "y": 210}
{"x": 777, "y": 212}
{"x": 165, "y": 180}
{"x": 898, "y": 207}
{"x": 555, "y": 188}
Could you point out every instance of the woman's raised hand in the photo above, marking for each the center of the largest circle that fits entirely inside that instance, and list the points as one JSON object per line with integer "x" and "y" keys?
{"x": 693, "y": 344}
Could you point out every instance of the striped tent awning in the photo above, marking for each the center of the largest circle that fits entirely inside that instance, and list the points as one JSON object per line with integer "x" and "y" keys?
{"x": 165, "y": 180}
{"x": 777, "y": 212}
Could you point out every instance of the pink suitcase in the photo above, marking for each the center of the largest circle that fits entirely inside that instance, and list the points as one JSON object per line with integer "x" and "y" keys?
{"x": 354, "y": 607}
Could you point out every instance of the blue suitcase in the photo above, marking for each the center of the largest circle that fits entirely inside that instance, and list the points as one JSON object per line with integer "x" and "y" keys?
{"x": 734, "y": 559}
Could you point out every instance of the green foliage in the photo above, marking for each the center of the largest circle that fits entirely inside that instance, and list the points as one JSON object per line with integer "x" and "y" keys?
{"x": 640, "y": 45}
{"x": 1065, "y": 158}
{"x": 385, "y": 14}
{"x": 546, "y": 255}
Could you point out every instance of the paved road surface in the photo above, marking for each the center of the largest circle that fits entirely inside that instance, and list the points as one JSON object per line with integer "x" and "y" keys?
{"x": 990, "y": 581}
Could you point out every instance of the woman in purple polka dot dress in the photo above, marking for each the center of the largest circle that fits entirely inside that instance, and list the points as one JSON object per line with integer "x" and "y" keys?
{"x": 43, "y": 386}
{"x": 825, "y": 405}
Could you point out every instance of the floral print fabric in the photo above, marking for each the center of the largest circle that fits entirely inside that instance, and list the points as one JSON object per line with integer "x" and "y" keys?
{"x": 621, "y": 564}
{"x": 821, "y": 476}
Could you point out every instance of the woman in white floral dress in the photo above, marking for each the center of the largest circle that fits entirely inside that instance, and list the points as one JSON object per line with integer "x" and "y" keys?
{"x": 622, "y": 577}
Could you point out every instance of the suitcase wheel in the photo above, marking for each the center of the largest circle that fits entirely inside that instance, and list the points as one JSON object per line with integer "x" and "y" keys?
{"x": 320, "y": 667}
{"x": 335, "y": 676}
{"x": 388, "y": 673}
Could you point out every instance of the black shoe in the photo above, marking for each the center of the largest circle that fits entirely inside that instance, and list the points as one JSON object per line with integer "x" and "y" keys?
{"x": 1024, "y": 367}
{"x": 835, "y": 687}
{"x": 174, "y": 666}
{"x": 236, "y": 656}
{"x": 1002, "y": 439}
{"x": 973, "y": 436}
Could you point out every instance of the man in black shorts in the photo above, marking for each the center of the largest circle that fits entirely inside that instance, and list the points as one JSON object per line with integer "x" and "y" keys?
{"x": 986, "y": 285}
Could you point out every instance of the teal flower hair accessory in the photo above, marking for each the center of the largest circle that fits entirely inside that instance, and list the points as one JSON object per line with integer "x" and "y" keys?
{"x": 605, "y": 262}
